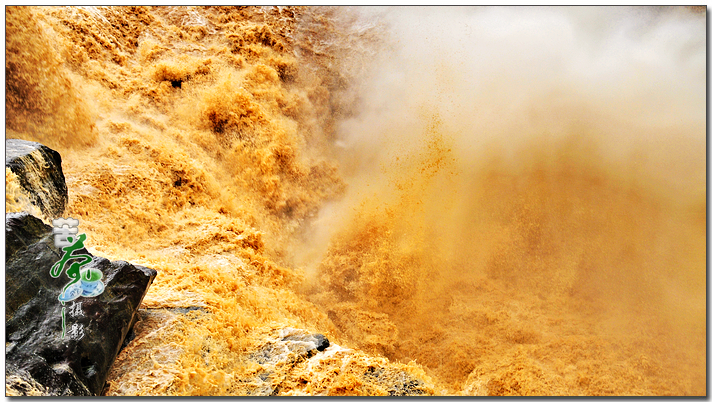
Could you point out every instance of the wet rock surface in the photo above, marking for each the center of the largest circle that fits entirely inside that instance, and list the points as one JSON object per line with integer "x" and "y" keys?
{"x": 400, "y": 383}
{"x": 291, "y": 365}
{"x": 297, "y": 362}
{"x": 22, "y": 230}
{"x": 293, "y": 347}
{"x": 39, "y": 170}
{"x": 39, "y": 360}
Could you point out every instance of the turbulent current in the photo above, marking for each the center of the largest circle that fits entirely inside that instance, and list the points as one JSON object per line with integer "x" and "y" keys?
{"x": 497, "y": 201}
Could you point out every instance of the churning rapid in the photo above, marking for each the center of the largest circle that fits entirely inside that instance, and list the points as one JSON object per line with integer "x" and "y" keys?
{"x": 497, "y": 201}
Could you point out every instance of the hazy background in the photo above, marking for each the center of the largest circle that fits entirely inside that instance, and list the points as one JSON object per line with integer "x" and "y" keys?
{"x": 524, "y": 180}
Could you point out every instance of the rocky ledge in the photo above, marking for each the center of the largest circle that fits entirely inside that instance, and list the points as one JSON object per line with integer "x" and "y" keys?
{"x": 60, "y": 346}
{"x": 39, "y": 170}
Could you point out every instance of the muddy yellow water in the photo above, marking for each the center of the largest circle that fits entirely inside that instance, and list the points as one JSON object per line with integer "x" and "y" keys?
{"x": 498, "y": 201}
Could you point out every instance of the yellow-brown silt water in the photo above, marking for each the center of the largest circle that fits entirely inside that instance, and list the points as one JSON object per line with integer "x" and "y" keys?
{"x": 497, "y": 201}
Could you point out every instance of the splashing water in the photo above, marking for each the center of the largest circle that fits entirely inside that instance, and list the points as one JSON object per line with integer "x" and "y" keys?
{"x": 525, "y": 212}
{"x": 507, "y": 201}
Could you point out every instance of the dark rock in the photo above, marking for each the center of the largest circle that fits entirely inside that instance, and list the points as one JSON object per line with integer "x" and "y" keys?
{"x": 316, "y": 342}
{"x": 36, "y": 353}
{"x": 291, "y": 348}
{"x": 130, "y": 336}
{"x": 407, "y": 387}
{"x": 399, "y": 383}
{"x": 321, "y": 342}
{"x": 21, "y": 231}
{"x": 39, "y": 170}
{"x": 283, "y": 361}
{"x": 286, "y": 351}
{"x": 25, "y": 232}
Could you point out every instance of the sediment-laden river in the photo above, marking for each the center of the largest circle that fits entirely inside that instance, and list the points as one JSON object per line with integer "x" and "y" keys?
{"x": 499, "y": 201}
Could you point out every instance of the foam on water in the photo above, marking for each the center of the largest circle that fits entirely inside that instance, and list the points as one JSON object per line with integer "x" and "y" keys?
{"x": 507, "y": 201}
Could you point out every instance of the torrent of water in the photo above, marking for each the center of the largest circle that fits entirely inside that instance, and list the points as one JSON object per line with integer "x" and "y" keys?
{"x": 501, "y": 201}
